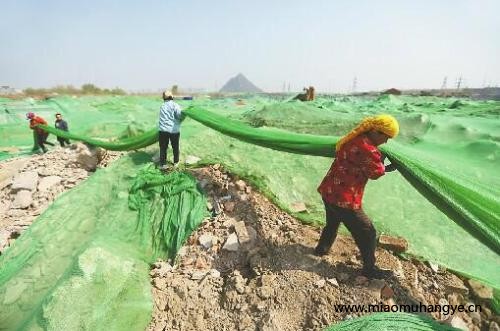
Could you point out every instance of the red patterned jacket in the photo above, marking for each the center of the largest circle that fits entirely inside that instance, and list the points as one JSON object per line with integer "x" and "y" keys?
{"x": 356, "y": 162}
{"x": 35, "y": 121}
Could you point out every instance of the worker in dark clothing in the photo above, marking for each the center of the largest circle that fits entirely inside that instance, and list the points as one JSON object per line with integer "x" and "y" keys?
{"x": 40, "y": 135}
{"x": 357, "y": 160}
{"x": 61, "y": 125}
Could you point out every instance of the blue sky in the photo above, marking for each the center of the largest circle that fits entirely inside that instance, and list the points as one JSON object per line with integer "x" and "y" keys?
{"x": 153, "y": 44}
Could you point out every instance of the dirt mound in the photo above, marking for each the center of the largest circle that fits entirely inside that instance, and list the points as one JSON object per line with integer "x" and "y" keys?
{"x": 251, "y": 267}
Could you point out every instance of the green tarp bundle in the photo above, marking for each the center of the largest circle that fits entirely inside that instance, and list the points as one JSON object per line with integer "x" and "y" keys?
{"x": 169, "y": 208}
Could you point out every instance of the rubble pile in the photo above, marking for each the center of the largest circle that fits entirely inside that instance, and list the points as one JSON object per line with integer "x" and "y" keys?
{"x": 29, "y": 185}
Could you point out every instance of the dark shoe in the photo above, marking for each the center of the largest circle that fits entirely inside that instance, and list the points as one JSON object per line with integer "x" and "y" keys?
{"x": 377, "y": 273}
{"x": 320, "y": 251}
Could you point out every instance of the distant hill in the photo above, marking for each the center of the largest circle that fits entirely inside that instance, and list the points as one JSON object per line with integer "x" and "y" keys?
{"x": 240, "y": 84}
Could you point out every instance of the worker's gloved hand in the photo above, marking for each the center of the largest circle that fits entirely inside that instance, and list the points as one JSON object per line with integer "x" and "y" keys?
{"x": 390, "y": 167}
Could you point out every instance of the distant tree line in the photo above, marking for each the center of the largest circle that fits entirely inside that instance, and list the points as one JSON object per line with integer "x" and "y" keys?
{"x": 86, "y": 89}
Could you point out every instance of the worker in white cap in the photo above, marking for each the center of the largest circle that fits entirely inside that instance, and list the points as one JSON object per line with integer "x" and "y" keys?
{"x": 169, "y": 128}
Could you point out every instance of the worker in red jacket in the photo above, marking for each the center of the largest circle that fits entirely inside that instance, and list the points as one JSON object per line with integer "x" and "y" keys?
{"x": 357, "y": 160}
{"x": 39, "y": 135}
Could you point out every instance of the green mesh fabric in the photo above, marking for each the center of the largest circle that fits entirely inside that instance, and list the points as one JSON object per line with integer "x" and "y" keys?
{"x": 84, "y": 263}
{"x": 495, "y": 302}
{"x": 391, "y": 321}
{"x": 443, "y": 200}
{"x": 475, "y": 208}
{"x": 125, "y": 144}
{"x": 439, "y": 138}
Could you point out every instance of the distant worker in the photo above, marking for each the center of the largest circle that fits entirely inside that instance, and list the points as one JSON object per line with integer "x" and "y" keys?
{"x": 40, "y": 136}
{"x": 61, "y": 125}
{"x": 357, "y": 160}
{"x": 302, "y": 96}
{"x": 308, "y": 94}
{"x": 169, "y": 128}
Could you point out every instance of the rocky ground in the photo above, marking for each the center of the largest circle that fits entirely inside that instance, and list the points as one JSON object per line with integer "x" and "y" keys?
{"x": 29, "y": 185}
{"x": 250, "y": 266}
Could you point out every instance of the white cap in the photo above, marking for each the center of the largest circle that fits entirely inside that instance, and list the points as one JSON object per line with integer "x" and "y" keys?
{"x": 167, "y": 94}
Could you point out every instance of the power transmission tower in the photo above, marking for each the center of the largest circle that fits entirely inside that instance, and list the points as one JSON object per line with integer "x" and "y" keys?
{"x": 459, "y": 82}
{"x": 354, "y": 84}
{"x": 445, "y": 81}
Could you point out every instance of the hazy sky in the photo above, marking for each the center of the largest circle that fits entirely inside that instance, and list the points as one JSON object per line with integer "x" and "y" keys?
{"x": 201, "y": 44}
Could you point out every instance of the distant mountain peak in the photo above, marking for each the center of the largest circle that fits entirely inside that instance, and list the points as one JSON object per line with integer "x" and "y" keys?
{"x": 240, "y": 84}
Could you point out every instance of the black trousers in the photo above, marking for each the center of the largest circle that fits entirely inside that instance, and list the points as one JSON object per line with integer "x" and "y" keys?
{"x": 63, "y": 141}
{"x": 41, "y": 140}
{"x": 358, "y": 224}
{"x": 163, "y": 139}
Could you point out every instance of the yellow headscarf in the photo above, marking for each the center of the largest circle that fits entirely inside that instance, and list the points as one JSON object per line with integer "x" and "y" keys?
{"x": 383, "y": 123}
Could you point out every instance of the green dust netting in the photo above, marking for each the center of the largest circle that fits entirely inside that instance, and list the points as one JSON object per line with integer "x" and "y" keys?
{"x": 125, "y": 144}
{"x": 474, "y": 207}
{"x": 84, "y": 263}
{"x": 391, "y": 321}
{"x": 439, "y": 139}
{"x": 447, "y": 149}
{"x": 495, "y": 302}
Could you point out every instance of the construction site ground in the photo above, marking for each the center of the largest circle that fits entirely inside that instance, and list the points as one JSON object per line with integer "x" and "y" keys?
{"x": 251, "y": 266}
